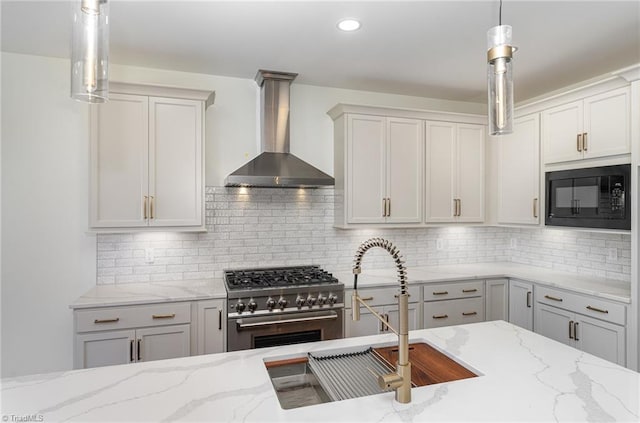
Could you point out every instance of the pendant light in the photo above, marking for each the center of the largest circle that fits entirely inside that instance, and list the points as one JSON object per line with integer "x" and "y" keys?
{"x": 500, "y": 78}
{"x": 90, "y": 51}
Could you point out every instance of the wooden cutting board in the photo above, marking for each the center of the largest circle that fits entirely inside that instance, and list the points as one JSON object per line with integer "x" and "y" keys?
{"x": 428, "y": 365}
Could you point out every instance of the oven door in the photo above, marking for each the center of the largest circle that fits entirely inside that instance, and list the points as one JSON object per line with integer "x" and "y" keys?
{"x": 248, "y": 332}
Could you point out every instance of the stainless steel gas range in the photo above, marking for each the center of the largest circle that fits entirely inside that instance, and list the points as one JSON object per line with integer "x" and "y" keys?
{"x": 280, "y": 306}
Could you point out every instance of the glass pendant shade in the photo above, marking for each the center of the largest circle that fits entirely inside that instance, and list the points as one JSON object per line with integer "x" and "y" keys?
{"x": 90, "y": 51}
{"x": 500, "y": 80}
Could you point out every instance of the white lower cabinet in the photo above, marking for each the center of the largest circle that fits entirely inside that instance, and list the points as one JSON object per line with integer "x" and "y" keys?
{"x": 453, "y": 312}
{"x": 521, "y": 304}
{"x": 120, "y": 335}
{"x": 453, "y": 303}
{"x": 210, "y": 326}
{"x": 497, "y": 299}
{"x": 557, "y": 316}
{"x": 384, "y": 302}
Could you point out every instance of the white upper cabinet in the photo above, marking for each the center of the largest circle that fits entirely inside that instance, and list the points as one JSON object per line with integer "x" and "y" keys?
{"x": 597, "y": 126}
{"x": 147, "y": 159}
{"x": 519, "y": 172}
{"x": 380, "y": 166}
{"x": 454, "y": 172}
{"x": 384, "y": 169}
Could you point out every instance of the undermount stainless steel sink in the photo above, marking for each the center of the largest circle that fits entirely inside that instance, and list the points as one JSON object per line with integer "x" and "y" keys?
{"x": 334, "y": 375}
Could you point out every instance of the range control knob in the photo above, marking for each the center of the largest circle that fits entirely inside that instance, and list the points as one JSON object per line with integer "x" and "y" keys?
{"x": 300, "y": 301}
{"x": 271, "y": 303}
{"x": 311, "y": 301}
{"x": 282, "y": 303}
{"x": 252, "y": 306}
{"x": 322, "y": 299}
{"x": 240, "y": 307}
{"x": 332, "y": 299}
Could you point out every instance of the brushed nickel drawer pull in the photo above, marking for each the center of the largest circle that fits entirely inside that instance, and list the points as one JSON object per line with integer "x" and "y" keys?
{"x": 388, "y": 207}
{"x": 151, "y": 207}
{"x": 549, "y": 297}
{"x": 570, "y": 329}
{"x": 535, "y": 208}
{"x": 466, "y": 291}
{"x": 584, "y": 141}
{"x": 528, "y": 299}
{"x": 384, "y": 207}
{"x": 442, "y": 316}
{"x": 367, "y": 299}
{"x": 440, "y": 292}
{"x": 98, "y": 321}
{"x": 599, "y": 310}
{"x": 396, "y": 295}
{"x": 145, "y": 207}
{"x": 470, "y": 313}
{"x": 575, "y": 331}
{"x": 579, "y": 142}
{"x": 163, "y": 316}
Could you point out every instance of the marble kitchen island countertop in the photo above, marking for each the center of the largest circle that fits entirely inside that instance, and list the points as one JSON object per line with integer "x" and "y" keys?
{"x": 152, "y": 292}
{"x": 524, "y": 377}
{"x": 600, "y": 287}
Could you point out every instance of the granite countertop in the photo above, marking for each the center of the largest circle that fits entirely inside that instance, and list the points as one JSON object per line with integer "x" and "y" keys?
{"x": 153, "y": 292}
{"x": 524, "y": 377}
{"x": 600, "y": 287}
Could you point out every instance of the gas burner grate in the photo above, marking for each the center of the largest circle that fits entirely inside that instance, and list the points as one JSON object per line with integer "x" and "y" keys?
{"x": 278, "y": 277}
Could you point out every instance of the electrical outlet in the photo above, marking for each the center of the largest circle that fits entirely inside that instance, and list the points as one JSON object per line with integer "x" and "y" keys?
{"x": 514, "y": 243}
{"x": 148, "y": 255}
{"x": 439, "y": 244}
{"x": 612, "y": 254}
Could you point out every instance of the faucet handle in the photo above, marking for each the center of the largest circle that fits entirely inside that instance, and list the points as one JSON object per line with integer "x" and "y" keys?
{"x": 390, "y": 381}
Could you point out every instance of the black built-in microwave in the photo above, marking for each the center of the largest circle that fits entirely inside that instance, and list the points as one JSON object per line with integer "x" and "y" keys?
{"x": 597, "y": 197}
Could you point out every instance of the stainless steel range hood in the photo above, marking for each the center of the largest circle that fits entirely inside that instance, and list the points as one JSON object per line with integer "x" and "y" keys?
{"x": 275, "y": 166}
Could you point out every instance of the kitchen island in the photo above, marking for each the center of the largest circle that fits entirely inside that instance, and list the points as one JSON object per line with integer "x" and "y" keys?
{"x": 524, "y": 377}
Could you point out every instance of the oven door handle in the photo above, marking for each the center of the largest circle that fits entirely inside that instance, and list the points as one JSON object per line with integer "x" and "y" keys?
{"x": 243, "y": 325}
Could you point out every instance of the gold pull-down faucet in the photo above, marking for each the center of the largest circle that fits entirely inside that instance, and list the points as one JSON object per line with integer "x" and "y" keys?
{"x": 401, "y": 380}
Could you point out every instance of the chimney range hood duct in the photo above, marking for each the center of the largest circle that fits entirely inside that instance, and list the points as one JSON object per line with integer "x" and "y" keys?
{"x": 275, "y": 166}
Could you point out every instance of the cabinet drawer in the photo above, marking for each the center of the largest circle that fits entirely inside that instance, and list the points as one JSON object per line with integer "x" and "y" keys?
{"x": 586, "y": 305}
{"x": 447, "y": 291}
{"x": 109, "y": 318}
{"x": 382, "y": 296}
{"x": 453, "y": 312}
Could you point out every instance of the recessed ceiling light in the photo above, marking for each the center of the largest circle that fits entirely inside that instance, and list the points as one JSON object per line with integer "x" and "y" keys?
{"x": 349, "y": 25}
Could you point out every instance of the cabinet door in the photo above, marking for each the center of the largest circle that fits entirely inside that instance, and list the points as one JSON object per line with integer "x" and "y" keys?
{"x": 606, "y": 124}
{"x": 175, "y": 162}
{"x": 441, "y": 157}
{"x": 104, "y": 349}
{"x": 367, "y": 325}
{"x": 211, "y": 326}
{"x": 405, "y": 154}
{"x": 163, "y": 342}
{"x": 602, "y": 339}
{"x": 521, "y": 304}
{"x": 119, "y": 160}
{"x": 394, "y": 316}
{"x": 366, "y": 169}
{"x": 560, "y": 128}
{"x": 497, "y": 299}
{"x": 470, "y": 172}
{"x": 519, "y": 172}
{"x": 554, "y": 323}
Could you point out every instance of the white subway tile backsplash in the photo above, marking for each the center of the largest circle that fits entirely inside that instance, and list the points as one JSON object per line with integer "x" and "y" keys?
{"x": 261, "y": 227}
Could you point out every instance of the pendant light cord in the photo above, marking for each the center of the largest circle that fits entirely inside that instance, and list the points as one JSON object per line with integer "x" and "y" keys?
{"x": 500, "y": 14}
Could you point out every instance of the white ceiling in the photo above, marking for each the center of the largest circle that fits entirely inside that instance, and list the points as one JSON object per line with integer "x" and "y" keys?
{"x": 423, "y": 48}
